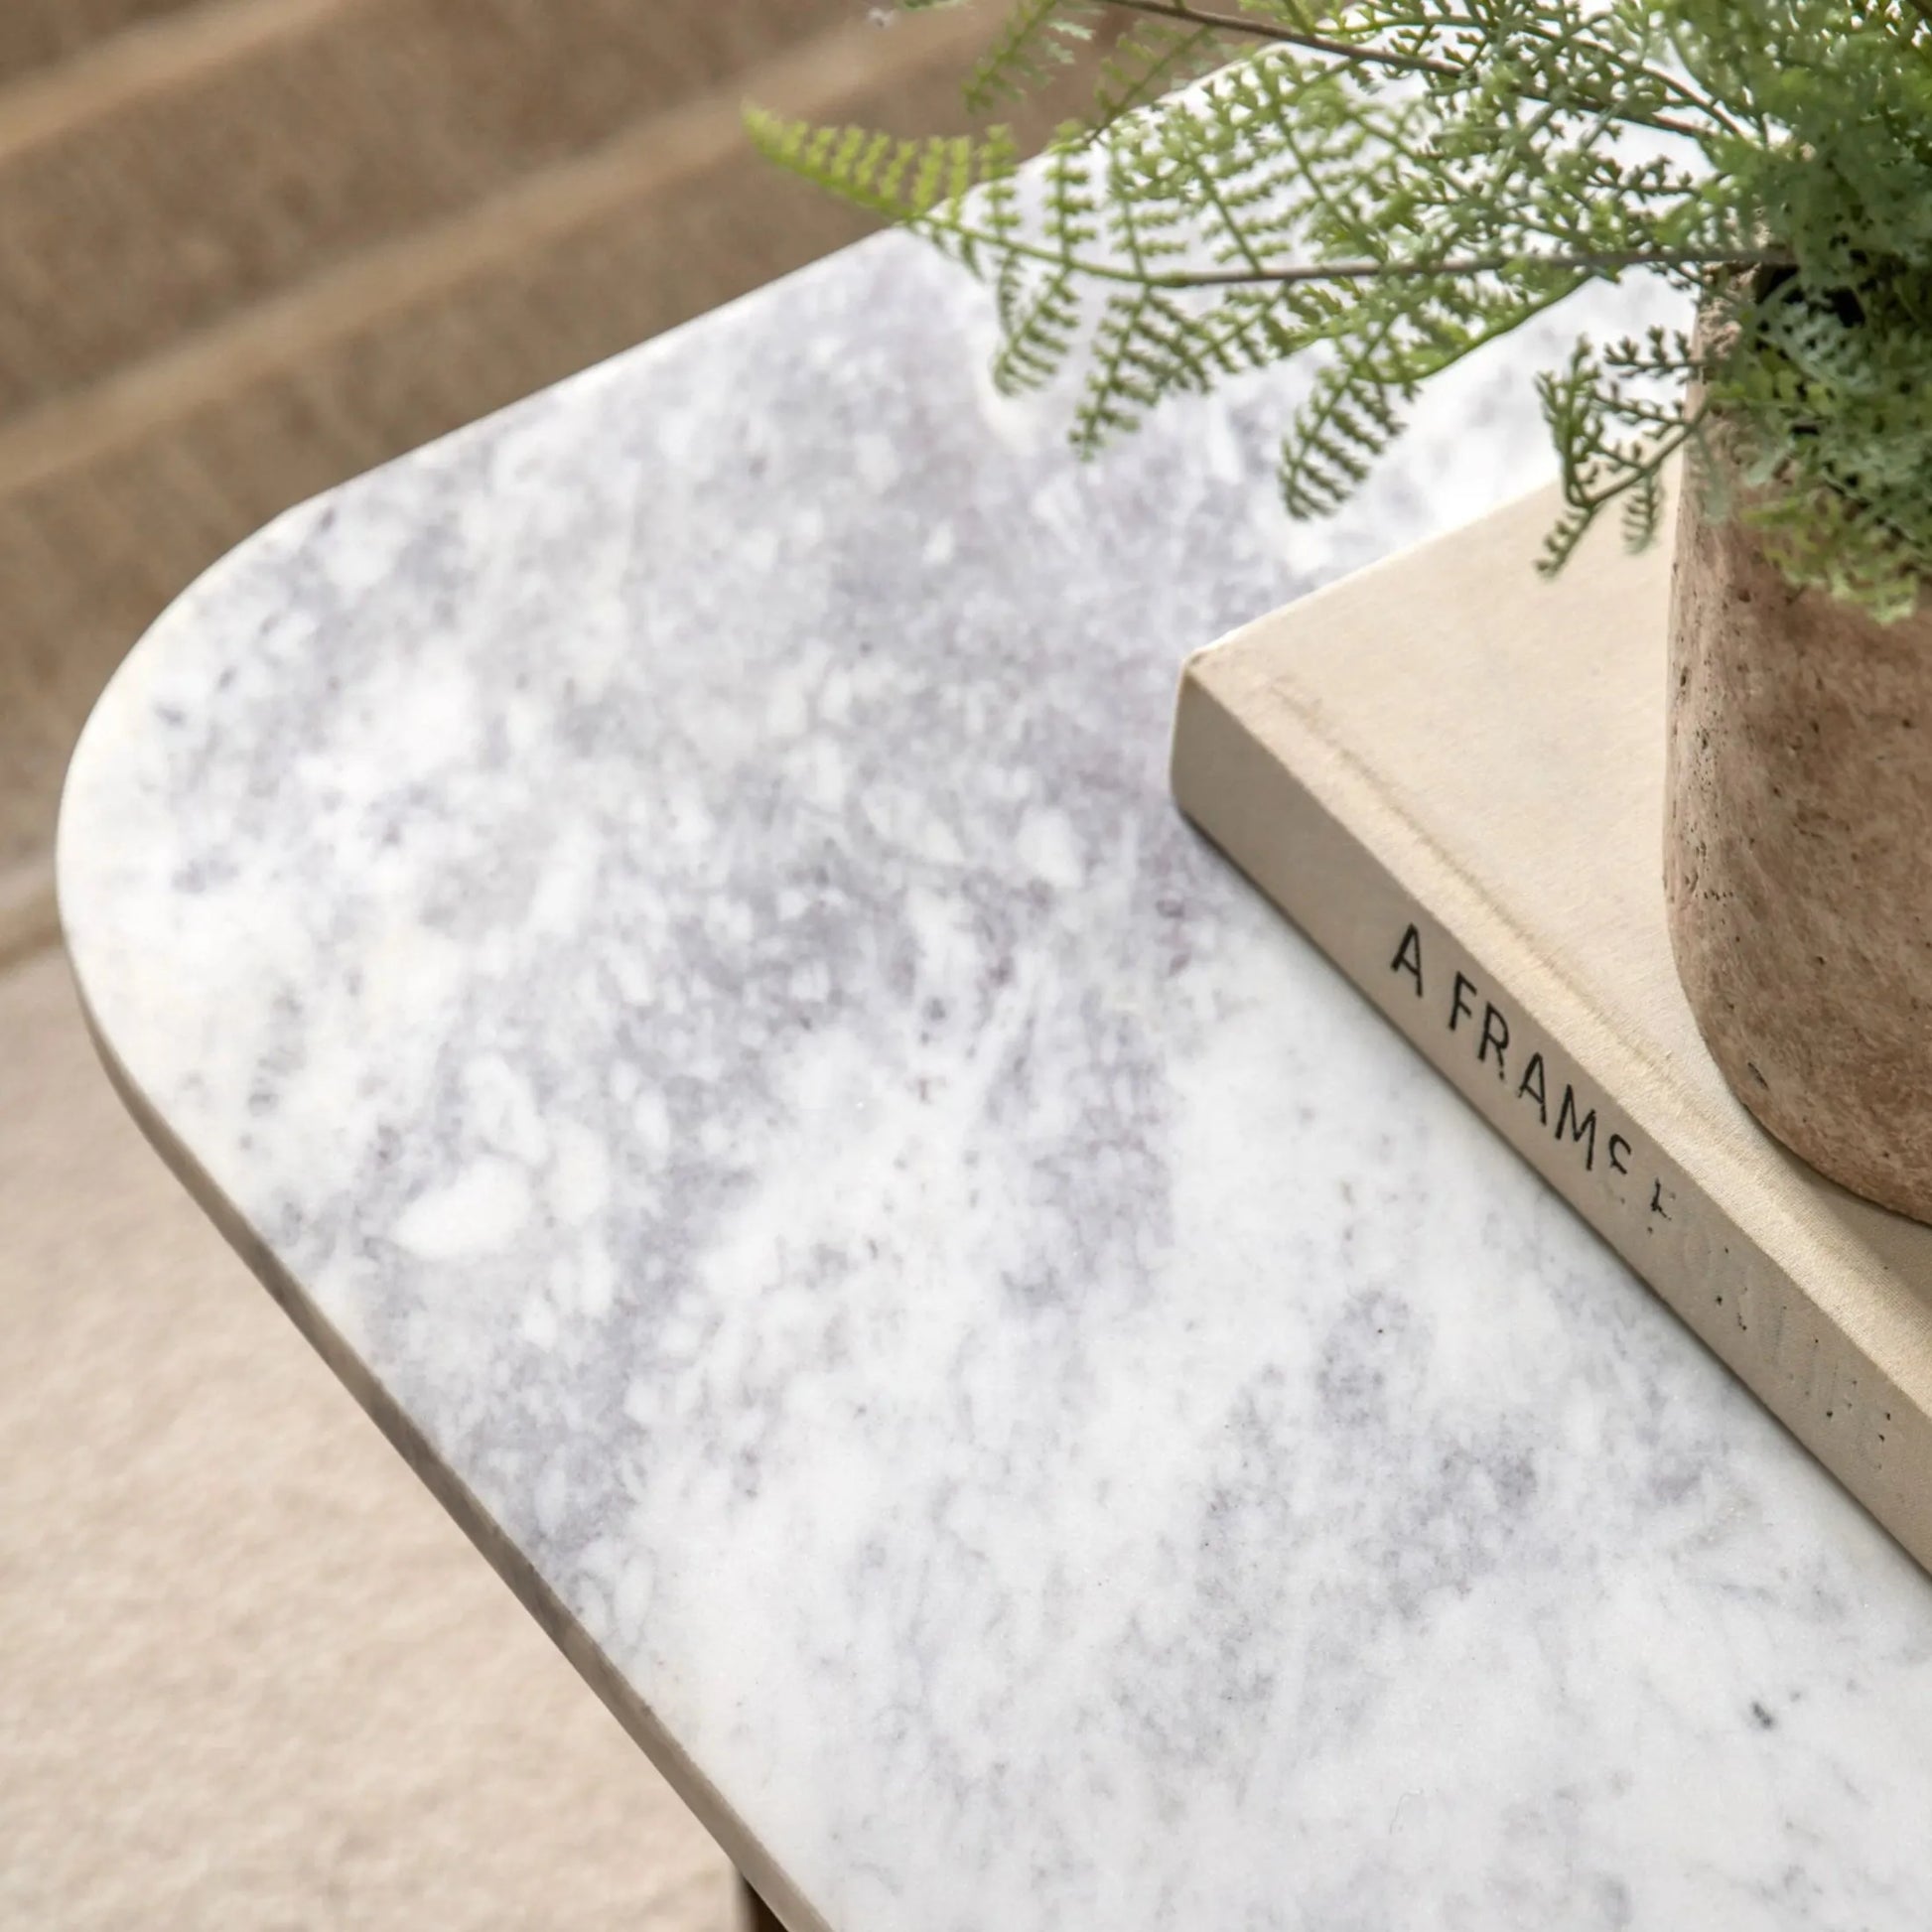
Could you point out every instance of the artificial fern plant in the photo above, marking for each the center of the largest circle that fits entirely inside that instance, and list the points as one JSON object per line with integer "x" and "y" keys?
{"x": 1392, "y": 184}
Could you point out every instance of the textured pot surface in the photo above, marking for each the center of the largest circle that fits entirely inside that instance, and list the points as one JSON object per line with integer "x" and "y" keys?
{"x": 1798, "y": 858}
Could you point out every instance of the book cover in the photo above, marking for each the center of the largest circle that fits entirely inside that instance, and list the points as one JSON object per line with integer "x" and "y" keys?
{"x": 1449, "y": 772}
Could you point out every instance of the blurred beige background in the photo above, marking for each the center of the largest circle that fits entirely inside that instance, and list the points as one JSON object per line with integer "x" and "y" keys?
{"x": 249, "y": 1675}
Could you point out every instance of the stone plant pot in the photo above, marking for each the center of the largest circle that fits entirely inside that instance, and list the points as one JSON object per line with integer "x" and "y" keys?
{"x": 1798, "y": 857}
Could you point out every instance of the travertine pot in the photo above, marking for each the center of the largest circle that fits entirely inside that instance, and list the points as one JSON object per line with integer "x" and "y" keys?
{"x": 1798, "y": 858}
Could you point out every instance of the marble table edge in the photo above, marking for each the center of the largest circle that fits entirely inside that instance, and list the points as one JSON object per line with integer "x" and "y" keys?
{"x": 733, "y": 1834}
{"x": 754, "y": 1863}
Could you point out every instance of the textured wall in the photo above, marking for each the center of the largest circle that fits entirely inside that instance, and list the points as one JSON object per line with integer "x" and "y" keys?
{"x": 36, "y": 34}
{"x": 268, "y": 243}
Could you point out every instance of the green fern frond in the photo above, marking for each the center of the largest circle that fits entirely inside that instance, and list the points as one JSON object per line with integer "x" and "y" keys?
{"x": 1036, "y": 38}
{"x": 1348, "y": 420}
{"x": 1117, "y": 393}
{"x": 1151, "y": 58}
{"x": 1614, "y": 443}
{"x": 1038, "y": 329}
{"x": 1145, "y": 348}
{"x": 1397, "y": 183}
{"x": 904, "y": 180}
{"x": 1071, "y": 212}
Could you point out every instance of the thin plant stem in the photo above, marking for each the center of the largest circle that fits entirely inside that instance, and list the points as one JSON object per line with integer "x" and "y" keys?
{"x": 1357, "y": 52}
{"x": 1610, "y": 260}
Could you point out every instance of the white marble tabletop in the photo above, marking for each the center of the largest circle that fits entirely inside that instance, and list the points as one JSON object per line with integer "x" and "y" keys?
{"x": 658, "y": 924}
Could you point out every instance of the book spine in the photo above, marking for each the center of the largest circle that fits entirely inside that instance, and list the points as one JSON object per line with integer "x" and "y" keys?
{"x": 1479, "y": 1020}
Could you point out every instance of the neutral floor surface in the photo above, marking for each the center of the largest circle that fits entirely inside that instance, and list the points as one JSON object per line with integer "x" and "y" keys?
{"x": 251, "y": 1676}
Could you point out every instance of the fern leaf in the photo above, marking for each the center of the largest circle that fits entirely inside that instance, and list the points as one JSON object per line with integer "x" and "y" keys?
{"x": 1039, "y": 328}
{"x": 1613, "y": 444}
{"x": 1142, "y": 352}
{"x": 1347, "y": 422}
{"x": 1072, "y": 211}
{"x": 1401, "y": 138}
{"x": 901, "y": 180}
{"x": 1037, "y": 37}
{"x": 1151, "y": 58}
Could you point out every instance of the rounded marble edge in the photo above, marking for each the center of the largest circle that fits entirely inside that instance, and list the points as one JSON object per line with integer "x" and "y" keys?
{"x": 190, "y": 610}
{"x": 748, "y": 1854}
{"x": 107, "y": 967}
{"x": 191, "y": 620}
{"x": 111, "y": 726}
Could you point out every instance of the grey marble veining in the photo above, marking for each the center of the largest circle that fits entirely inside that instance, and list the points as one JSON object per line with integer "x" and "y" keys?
{"x": 663, "y": 915}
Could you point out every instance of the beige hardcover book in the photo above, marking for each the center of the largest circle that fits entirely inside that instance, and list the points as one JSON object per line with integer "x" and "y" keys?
{"x": 1449, "y": 774}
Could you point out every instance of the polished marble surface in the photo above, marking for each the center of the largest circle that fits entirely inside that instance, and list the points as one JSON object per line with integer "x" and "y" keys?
{"x": 662, "y": 918}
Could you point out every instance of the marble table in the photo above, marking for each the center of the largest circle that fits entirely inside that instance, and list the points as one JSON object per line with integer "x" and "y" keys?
{"x": 657, "y": 925}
